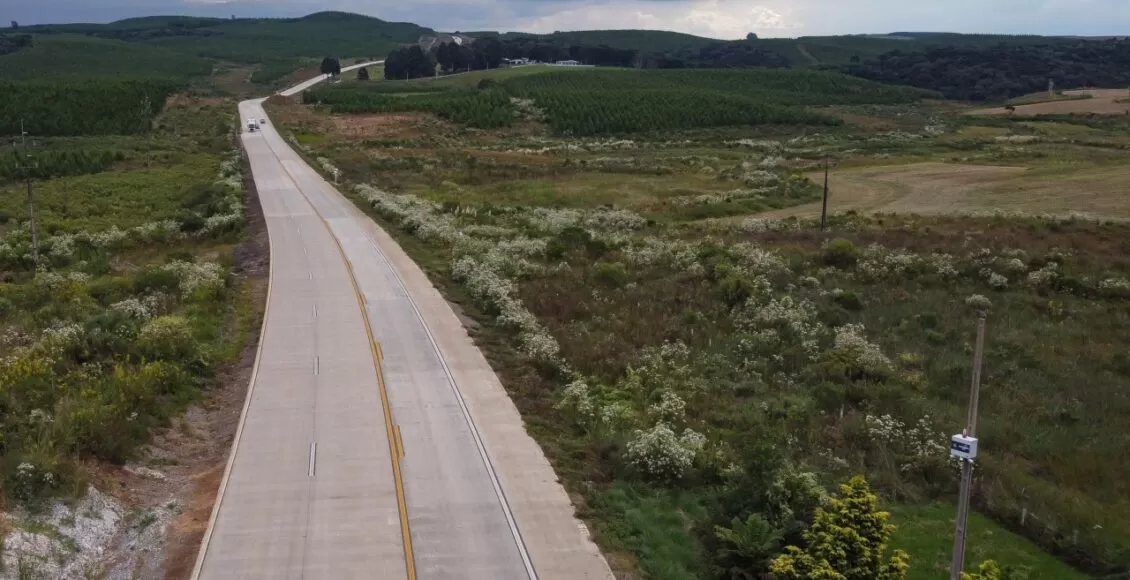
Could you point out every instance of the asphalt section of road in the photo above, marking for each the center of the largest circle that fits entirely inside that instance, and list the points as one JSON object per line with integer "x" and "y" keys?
{"x": 371, "y": 414}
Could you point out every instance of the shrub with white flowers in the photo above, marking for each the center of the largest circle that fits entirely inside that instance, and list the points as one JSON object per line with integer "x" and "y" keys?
{"x": 1044, "y": 276}
{"x": 670, "y": 407}
{"x": 1115, "y": 287}
{"x": 575, "y": 397}
{"x": 194, "y": 276}
{"x": 660, "y": 454}
{"x": 133, "y": 308}
{"x": 852, "y": 344}
{"x": 978, "y": 302}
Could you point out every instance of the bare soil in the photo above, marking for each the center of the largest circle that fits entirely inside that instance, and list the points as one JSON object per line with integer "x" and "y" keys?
{"x": 940, "y": 188}
{"x": 193, "y": 452}
{"x": 1102, "y": 101}
{"x": 385, "y": 126}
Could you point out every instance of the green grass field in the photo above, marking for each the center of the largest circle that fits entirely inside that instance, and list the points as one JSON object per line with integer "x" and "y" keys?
{"x": 926, "y": 533}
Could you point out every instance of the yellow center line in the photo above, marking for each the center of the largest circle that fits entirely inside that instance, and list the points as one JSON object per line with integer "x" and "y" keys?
{"x": 395, "y": 451}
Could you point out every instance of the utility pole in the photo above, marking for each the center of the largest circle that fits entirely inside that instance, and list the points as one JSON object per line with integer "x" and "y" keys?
{"x": 964, "y": 446}
{"x": 824, "y": 209}
{"x": 25, "y": 164}
{"x": 145, "y": 107}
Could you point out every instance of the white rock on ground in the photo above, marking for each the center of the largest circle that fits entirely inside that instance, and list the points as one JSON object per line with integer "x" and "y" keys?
{"x": 66, "y": 542}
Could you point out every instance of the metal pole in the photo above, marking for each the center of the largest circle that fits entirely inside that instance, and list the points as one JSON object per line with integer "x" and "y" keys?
{"x": 962, "y": 519}
{"x": 824, "y": 210}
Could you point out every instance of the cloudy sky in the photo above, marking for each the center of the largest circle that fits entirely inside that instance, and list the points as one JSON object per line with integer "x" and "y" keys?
{"x": 715, "y": 18}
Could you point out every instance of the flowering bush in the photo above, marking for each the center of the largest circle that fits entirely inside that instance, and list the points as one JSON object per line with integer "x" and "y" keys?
{"x": 1115, "y": 287}
{"x": 861, "y": 355}
{"x": 660, "y": 454}
{"x": 196, "y": 277}
{"x": 167, "y": 338}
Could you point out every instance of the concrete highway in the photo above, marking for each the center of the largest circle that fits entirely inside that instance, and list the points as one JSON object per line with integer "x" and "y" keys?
{"x": 375, "y": 441}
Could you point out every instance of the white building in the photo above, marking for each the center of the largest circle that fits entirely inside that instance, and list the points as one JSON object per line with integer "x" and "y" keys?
{"x": 567, "y": 63}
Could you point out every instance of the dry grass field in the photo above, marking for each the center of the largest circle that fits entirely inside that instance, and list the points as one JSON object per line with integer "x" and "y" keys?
{"x": 1102, "y": 101}
{"x": 938, "y": 188}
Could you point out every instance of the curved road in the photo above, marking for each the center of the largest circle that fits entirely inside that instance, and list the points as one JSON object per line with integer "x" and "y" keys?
{"x": 375, "y": 441}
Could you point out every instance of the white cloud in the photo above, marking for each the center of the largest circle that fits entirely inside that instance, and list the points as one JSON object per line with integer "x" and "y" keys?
{"x": 714, "y": 18}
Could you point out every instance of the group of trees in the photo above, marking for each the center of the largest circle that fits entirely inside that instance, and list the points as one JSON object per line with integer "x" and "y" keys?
{"x": 1005, "y": 70}
{"x": 330, "y": 66}
{"x": 409, "y": 62}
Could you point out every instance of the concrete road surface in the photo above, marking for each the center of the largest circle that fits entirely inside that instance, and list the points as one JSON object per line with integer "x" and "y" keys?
{"x": 311, "y": 82}
{"x": 376, "y": 442}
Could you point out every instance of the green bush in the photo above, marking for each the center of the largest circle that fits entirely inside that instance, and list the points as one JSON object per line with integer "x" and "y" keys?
{"x": 610, "y": 274}
{"x": 840, "y": 253}
{"x": 849, "y": 300}
{"x": 167, "y": 338}
{"x": 735, "y": 291}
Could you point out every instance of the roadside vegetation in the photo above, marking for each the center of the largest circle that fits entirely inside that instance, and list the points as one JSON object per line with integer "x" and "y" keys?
{"x": 702, "y": 376}
{"x": 132, "y": 305}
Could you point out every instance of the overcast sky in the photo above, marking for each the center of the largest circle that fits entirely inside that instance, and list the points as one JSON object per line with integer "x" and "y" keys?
{"x": 715, "y": 18}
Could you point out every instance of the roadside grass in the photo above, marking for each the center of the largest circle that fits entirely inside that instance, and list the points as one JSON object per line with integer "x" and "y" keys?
{"x": 925, "y": 531}
{"x": 125, "y": 198}
{"x": 640, "y": 277}
{"x": 132, "y": 307}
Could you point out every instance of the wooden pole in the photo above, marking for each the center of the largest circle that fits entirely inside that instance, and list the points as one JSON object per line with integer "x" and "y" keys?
{"x": 824, "y": 209}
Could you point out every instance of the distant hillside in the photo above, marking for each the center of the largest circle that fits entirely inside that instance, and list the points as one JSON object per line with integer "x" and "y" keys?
{"x": 256, "y": 40}
{"x": 73, "y": 56}
{"x": 641, "y": 40}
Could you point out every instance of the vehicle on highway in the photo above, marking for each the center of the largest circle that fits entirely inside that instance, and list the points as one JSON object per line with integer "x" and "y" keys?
{"x": 252, "y": 125}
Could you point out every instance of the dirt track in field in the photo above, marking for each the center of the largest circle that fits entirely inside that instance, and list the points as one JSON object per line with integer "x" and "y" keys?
{"x": 939, "y": 188}
{"x": 1102, "y": 101}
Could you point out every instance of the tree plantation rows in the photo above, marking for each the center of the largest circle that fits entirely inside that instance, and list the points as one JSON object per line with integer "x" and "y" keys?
{"x": 102, "y": 107}
{"x": 627, "y": 101}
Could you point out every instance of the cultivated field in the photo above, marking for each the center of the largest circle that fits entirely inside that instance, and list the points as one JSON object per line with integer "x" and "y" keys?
{"x": 1101, "y": 102}
{"x": 954, "y": 188}
{"x": 698, "y": 373}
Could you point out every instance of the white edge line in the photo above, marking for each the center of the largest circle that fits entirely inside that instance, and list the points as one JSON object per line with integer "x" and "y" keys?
{"x": 246, "y": 401}
{"x": 313, "y": 457}
{"x": 499, "y": 492}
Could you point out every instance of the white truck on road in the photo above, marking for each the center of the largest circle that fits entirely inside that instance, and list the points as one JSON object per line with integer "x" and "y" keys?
{"x": 252, "y": 125}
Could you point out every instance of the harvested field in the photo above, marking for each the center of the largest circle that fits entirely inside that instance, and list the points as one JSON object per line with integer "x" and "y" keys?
{"x": 939, "y": 188}
{"x": 1102, "y": 101}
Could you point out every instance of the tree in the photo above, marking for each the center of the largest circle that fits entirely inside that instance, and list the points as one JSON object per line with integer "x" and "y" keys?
{"x": 846, "y": 541}
{"x": 15, "y": 25}
{"x": 330, "y": 66}
{"x": 362, "y": 74}
{"x": 751, "y": 36}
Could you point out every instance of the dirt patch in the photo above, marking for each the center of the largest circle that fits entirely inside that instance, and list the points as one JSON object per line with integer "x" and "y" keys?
{"x": 386, "y": 126}
{"x": 1102, "y": 101}
{"x": 188, "y": 459}
{"x": 940, "y": 188}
